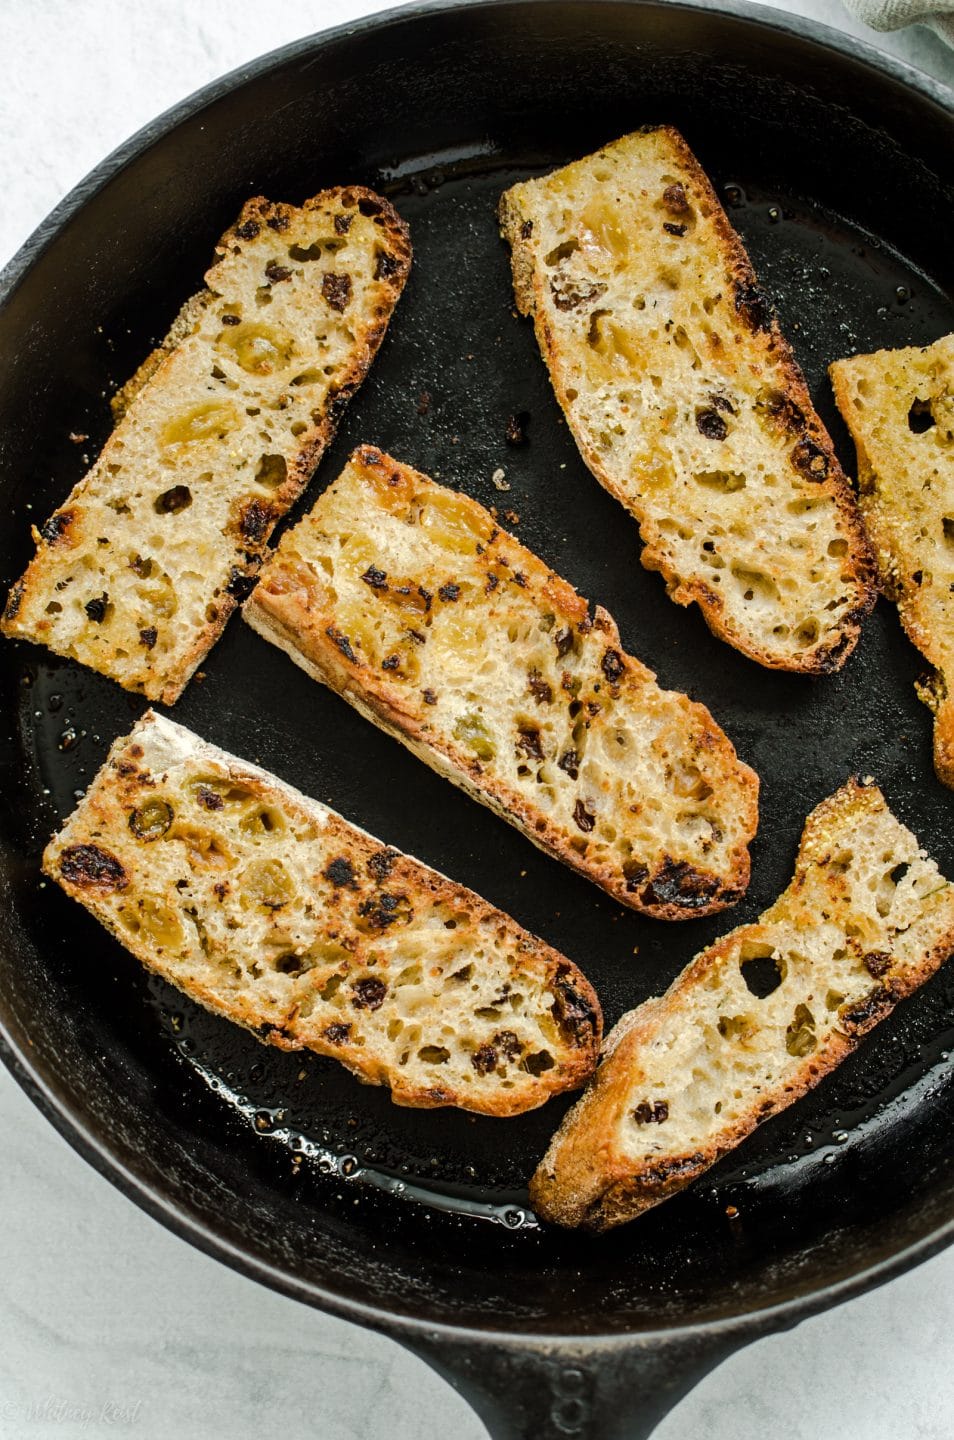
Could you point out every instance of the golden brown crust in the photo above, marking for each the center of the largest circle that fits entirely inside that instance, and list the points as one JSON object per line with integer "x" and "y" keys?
{"x": 944, "y": 742}
{"x": 252, "y": 515}
{"x": 592, "y": 1176}
{"x": 374, "y": 910}
{"x": 292, "y": 608}
{"x": 766, "y": 347}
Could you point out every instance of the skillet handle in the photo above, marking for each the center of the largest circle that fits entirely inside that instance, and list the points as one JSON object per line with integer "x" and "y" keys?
{"x": 537, "y": 1389}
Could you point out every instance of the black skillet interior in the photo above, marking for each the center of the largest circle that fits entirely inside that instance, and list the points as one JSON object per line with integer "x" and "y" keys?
{"x": 830, "y": 174}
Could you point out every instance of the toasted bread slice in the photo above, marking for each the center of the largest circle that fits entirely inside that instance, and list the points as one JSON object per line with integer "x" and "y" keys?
{"x": 865, "y": 921}
{"x": 218, "y": 433}
{"x": 899, "y": 407}
{"x": 686, "y": 401}
{"x": 271, "y": 910}
{"x": 444, "y": 630}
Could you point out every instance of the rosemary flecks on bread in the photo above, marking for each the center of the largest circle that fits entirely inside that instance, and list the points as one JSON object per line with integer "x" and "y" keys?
{"x": 756, "y": 1020}
{"x": 411, "y": 602}
{"x": 899, "y": 407}
{"x": 686, "y": 401}
{"x": 270, "y": 909}
{"x": 217, "y": 434}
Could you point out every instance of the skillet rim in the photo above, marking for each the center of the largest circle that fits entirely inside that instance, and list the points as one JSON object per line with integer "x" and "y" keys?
{"x": 59, "y": 1109}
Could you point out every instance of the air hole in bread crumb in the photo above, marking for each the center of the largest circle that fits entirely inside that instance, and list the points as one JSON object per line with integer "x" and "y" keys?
{"x": 735, "y": 1027}
{"x": 593, "y": 336}
{"x": 272, "y": 471}
{"x": 755, "y": 584}
{"x": 292, "y": 965}
{"x": 433, "y": 1054}
{"x": 561, "y": 252}
{"x": 727, "y": 482}
{"x": 921, "y": 417}
{"x": 800, "y": 1039}
{"x": 762, "y": 971}
{"x": 302, "y": 253}
{"x": 262, "y": 822}
{"x": 170, "y": 502}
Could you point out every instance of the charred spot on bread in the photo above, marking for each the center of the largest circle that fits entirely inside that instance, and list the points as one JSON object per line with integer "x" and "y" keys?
{"x": 92, "y": 868}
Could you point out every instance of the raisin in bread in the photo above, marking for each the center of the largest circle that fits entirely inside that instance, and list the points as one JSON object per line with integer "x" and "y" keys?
{"x": 899, "y": 407}
{"x": 686, "y": 401}
{"x": 217, "y": 434}
{"x": 273, "y": 911}
{"x": 866, "y": 919}
{"x": 410, "y": 601}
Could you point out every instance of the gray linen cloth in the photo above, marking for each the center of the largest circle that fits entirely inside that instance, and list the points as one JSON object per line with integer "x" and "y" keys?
{"x": 893, "y": 14}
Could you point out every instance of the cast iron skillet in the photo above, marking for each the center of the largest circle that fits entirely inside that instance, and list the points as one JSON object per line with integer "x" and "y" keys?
{"x": 837, "y": 163}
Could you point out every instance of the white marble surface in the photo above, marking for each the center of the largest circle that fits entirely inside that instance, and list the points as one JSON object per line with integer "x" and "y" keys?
{"x": 109, "y": 1324}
